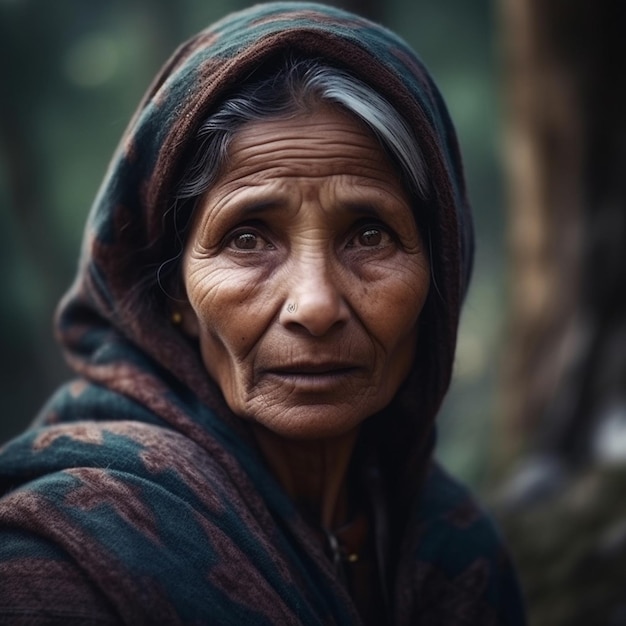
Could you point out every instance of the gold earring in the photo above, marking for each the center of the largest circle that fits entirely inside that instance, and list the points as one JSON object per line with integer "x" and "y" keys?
{"x": 176, "y": 318}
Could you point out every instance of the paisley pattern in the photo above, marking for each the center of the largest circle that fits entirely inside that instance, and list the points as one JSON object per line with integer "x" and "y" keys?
{"x": 136, "y": 497}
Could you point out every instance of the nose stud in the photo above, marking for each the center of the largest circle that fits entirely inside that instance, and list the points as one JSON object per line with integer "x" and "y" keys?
{"x": 291, "y": 307}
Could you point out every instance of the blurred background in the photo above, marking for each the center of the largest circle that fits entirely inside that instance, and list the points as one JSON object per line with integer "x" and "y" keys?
{"x": 536, "y": 418}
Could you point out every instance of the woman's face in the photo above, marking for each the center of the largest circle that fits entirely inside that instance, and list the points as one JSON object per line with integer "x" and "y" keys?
{"x": 306, "y": 275}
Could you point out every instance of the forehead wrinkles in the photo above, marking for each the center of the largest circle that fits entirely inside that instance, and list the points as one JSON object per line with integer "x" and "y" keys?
{"x": 326, "y": 157}
{"x": 314, "y": 144}
{"x": 318, "y": 135}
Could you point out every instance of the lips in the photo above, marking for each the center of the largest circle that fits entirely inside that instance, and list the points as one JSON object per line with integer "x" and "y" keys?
{"x": 313, "y": 378}
{"x": 312, "y": 369}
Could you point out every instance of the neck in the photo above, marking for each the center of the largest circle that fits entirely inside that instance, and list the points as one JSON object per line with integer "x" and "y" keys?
{"x": 314, "y": 473}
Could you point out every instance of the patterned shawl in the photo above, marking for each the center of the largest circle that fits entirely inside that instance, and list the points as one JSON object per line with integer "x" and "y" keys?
{"x": 137, "y": 497}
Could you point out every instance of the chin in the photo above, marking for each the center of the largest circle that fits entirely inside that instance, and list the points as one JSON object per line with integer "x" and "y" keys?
{"x": 311, "y": 422}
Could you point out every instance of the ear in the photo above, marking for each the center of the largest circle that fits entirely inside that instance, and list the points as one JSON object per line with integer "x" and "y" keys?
{"x": 186, "y": 318}
{"x": 189, "y": 323}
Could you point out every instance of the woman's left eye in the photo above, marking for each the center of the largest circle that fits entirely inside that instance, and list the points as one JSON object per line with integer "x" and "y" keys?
{"x": 370, "y": 236}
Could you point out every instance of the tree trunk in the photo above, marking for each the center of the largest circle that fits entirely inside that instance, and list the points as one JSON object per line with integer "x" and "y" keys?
{"x": 564, "y": 388}
{"x": 565, "y": 99}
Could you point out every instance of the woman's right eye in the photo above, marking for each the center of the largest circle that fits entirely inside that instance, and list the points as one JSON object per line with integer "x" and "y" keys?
{"x": 245, "y": 241}
{"x": 249, "y": 240}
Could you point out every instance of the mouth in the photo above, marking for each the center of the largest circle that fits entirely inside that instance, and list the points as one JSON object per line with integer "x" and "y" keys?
{"x": 313, "y": 369}
{"x": 314, "y": 376}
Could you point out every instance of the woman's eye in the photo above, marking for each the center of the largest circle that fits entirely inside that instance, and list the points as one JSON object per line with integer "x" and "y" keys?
{"x": 370, "y": 237}
{"x": 245, "y": 241}
{"x": 249, "y": 241}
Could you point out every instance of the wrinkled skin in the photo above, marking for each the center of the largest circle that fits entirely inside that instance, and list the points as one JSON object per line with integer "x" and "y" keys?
{"x": 306, "y": 275}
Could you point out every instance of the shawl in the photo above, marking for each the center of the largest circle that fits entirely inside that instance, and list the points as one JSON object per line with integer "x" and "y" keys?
{"x": 137, "y": 497}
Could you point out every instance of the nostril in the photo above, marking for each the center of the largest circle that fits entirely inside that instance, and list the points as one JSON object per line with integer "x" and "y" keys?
{"x": 317, "y": 311}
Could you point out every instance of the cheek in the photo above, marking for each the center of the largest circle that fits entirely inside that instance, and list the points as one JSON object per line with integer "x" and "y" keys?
{"x": 391, "y": 306}
{"x": 229, "y": 308}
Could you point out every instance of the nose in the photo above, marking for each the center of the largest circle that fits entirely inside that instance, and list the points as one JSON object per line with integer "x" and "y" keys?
{"x": 315, "y": 300}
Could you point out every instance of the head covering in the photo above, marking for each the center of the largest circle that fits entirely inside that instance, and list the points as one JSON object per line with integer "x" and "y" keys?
{"x": 125, "y": 239}
{"x": 138, "y": 493}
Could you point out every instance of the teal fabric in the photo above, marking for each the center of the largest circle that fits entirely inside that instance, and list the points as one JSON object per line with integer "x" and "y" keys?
{"x": 137, "y": 497}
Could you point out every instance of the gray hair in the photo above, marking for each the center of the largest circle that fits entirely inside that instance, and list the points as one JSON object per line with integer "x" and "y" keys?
{"x": 295, "y": 88}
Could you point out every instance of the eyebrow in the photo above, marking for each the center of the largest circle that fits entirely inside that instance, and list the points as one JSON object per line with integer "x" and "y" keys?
{"x": 384, "y": 210}
{"x": 248, "y": 208}
{"x": 377, "y": 205}
{"x": 361, "y": 208}
{"x": 259, "y": 206}
{"x": 364, "y": 209}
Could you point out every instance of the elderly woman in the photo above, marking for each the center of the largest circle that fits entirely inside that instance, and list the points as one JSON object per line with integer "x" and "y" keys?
{"x": 263, "y": 328}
